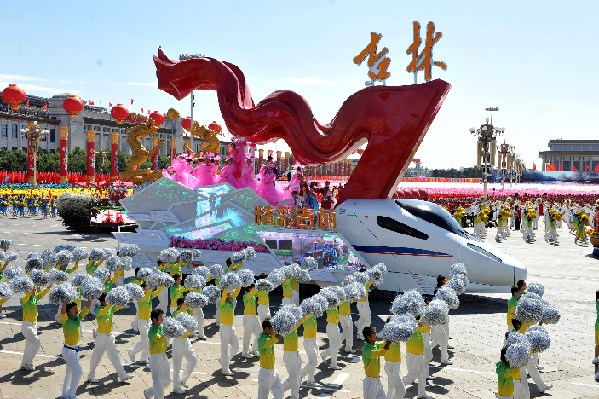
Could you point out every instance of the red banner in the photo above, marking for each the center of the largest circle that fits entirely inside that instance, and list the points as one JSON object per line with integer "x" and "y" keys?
{"x": 114, "y": 149}
{"x": 30, "y": 170}
{"x": 91, "y": 155}
{"x": 64, "y": 143}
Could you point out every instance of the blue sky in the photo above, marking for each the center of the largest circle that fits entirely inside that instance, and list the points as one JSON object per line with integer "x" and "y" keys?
{"x": 534, "y": 60}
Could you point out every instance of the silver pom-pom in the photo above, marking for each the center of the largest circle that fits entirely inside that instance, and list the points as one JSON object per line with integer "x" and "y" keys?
{"x": 212, "y": 293}
{"x": 230, "y": 281}
{"x": 34, "y": 263}
{"x": 135, "y": 291}
{"x": 145, "y": 272}
{"x": 399, "y": 328}
{"x": 538, "y": 338}
{"x": 186, "y": 255}
{"x": 287, "y": 271}
{"x": 459, "y": 283}
{"x": 516, "y": 338}
{"x": 410, "y": 302}
{"x": 551, "y": 314}
{"x": 309, "y": 263}
{"x": 517, "y": 355}
{"x": 113, "y": 263}
{"x": 159, "y": 279}
{"x": 361, "y": 278}
{"x": 458, "y": 268}
{"x": 216, "y": 271}
{"x": 436, "y": 313}
{"x": 62, "y": 292}
{"x": 246, "y": 276}
{"x": 285, "y": 319}
{"x": 67, "y": 248}
{"x": 5, "y": 291}
{"x": 12, "y": 271}
{"x": 381, "y": 267}
{"x": 97, "y": 254}
{"x": 448, "y": 295}
{"x": 202, "y": 271}
{"x": 188, "y": 321}
{"x": 80, "y": 254}
{"x": 340, "y": 292}
{"x": 194, "y": 282}
{"x": 331, "y": 296}
{"x": 375, "y": 275}
{"x": 5, "y": 244}
{"x": 126, "y": 263}
{"x": 196, "y": 300}
{"x": 529, "y": 309}
{"x": 118, "y": 296}
{"x": 32, "y": 255}
{"x": 354, "y": 291}
{"x": 171, "y": 328}
{"x": 535, "y": 288}
{"x": 39, "y": 277}
{"x": 168, "y": 255}
{"x": 11, "y": 256}
{"x": 49, "y": 259}
{"x": 196, "y": 253}
{"x": 349, "y": 279}
{"x": 64, "y": 257}
{"x": 57, "y": 276}
{"x": 276, "y": 277}
{"x": 91, "y": 287}
{"x": 101, "y": 274}
{"x": 21, "y": 284}
{"x": 238, "y": 257}
{"x": 79, "y": 279}
{"x": 264, "y": 285}
{"x": 127, "y": 250}
{"x": 250, "y": 253}
{"x": 313, "y": 306}
{"x": 301, "y": 275}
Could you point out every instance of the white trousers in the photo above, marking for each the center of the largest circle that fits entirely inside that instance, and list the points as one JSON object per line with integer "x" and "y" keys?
{"x": 293, "y": 364}
{"x": 364, "y": 320}
{"x": 228, "y": 337}
{"x": 269, "y": 381}
{"x": 396, "y": 389}
{"x": 286, "y": 301}
{"x": 143, "y": 345}
{"x": 251, "y": 325}
{"x": 182, "y": 349}
{"x": 217, "y": 315}
{"x": 428, "y": 350}
{"x": 311, "y": 348}
{"x": 32, "y": 343}
{"x": 373, "y": 388}
{"x": 521, "y": 390}
{"x": 73, "y": 373}
{"x": 161, "y": 375}
{"x": 295, "y": 297}
{"x": 163, "y": 300}
{"x": 348, "y": 332}
{"x": 416, "y": 371}
{"x": 134, "y": 321}
{"x": 438, "y": 333}
{"x": 532, "y": 369}
{"x": 334, "y": 343}
{"x": 105, "y": 343}
{"x": 263, "y": 312}
{"x": 199, "y": 315}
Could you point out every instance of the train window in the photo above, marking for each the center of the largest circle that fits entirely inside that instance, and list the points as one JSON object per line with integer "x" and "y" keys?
{"x": 401, "y": 228}
{"x": 433, "y": 214}
{"x": 485, "y": 252}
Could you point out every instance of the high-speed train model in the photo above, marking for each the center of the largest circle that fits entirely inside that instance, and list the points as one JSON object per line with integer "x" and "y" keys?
{"x": 417, "y": 241}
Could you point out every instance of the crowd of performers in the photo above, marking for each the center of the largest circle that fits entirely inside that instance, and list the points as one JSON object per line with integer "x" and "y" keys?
{"x": 22, "y": 205}
{"x": 513, "y": 214}
{"x": 418, "y": 321}
{"x": 197, "y": 170}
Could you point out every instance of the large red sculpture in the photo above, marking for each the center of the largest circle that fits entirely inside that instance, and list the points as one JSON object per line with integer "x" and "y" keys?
{"x": 393, "y": 119}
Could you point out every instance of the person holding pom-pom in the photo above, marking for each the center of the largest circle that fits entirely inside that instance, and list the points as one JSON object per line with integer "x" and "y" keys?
{"x": 392, "y": 362}
{"x": 268, "y": 376}
{"x": 228, "y": 335}
{"x": 415, "y": 362}
{"x": 29, "y": 326}
{"x": 596, "y": 358}
{"x": 163, "y": 295}
{"x": 182, "y": 349}
{"x": 371, "y": 358}
{"x": 158, "y": 362}
{"x": 263, "y": 306}
{"x": 505, "y": 377}
{"x": 105, "y": 342}
{"x": 70, "y": 318}
{"x": 334, "y": 338}
{"x": 144, "y": 309}
{"x": 364, "y": 311}
{"x": 251, "y": 323}
{"x": 176, "y": 291}
{"x": 511, "y": 306}
{"x": 293, "y": 361}
{"x": 286, "y": 285}
{"x": 311, "y": 348}
{"x": 347, "y": 325}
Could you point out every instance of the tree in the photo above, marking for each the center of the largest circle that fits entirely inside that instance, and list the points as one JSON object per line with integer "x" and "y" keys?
{"x": 13, "y": 160}
{"x": 48, "y": 161}
{"x": 77, "y": 161}
{"x": 123, "y": 158}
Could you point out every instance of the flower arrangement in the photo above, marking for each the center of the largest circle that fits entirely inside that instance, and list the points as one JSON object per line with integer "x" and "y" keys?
{"x": 216, "y": 244}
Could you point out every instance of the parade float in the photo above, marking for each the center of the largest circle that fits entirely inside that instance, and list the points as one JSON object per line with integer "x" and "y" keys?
{"x": 417, "y": 240}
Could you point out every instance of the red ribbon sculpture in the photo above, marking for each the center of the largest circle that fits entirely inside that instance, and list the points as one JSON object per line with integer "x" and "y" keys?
{"x": 392, "y": 119}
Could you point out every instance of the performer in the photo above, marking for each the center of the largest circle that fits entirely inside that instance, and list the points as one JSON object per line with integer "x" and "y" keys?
{"x": 144, "y": 309}
{"x": 228, "y": 335}
{"x": 364, "y": 311}
{"x": 268, "y": 376}
{"x": 596, "y": 358}
{"x": 327, "y": 201}
{"x": 176, "y": 291}
{"x": 334, "y": 338}
{"x": 371, "y": 358}
{"x": 511, "y": 306}
{"x": 251, "y": 323}
{"x": 505, "y": 381}
{"x": 396, "y": 389}
{"x": 182, "y": 349}
{"x": 295, "y": 291}
{"x": 415, "y": 362}
{"x": 293, "y": 362}
{"x": 70, "y": 318}
{"x": 263, "y": 306}
{"x": 426, "y": 337}
{"x": 158, "y": 361}
{"x": 104, "y": 341}
{"x": 286, "y": 285}
{"x": 163, "y": 296}
{"x": 311, "y": 348}
{"x": 347, "y": 325}
{"x": 29, "y": 326}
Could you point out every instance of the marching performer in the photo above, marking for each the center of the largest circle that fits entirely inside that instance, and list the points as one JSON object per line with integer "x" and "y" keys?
{"x": 144, "y": 310}
{"x": 396, "y": 388}
{"x": 371, "y": 358}
{"x": 364, "y": 311}
{"x": 293, "y": 362}
{"x": 415, "y": 362}
{"x": 70, "y": 318}
{"x": 182, "y": 349}
{"x": 268, "y": 376}
{"x": 228, "y": 335}
{"x": 334, "y": 338}
{"x": 311, "y": 348}
{"x": 158, "y": 361}
{"x": 251, "y": 323}
{"x": 347, "y": 325}
{"x": 263, "y": 306}
{"x": 29, "y": 326}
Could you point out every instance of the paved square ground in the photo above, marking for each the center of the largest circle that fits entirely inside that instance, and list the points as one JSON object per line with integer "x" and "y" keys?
{"x": 477, "y": 327}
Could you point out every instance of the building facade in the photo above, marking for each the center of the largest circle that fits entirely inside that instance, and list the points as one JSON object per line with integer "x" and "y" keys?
{"x": 571, "y": 155}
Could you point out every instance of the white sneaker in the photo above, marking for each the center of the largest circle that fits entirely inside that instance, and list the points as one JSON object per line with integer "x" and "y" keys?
{"x": 2, "y": 315}
{"x": 310, "y": 383}
{"x": 596, "y": 360}
{"x": 547, "y": 387}
{"x": 179, "y": 391}
{"x": 127, "y": 377}
{"x": 335, "y": 368}
{"x": 447, "y": 362}
{"x": 131, "y": 356}
{"x": 93, "y": 380}
{"x": 184, "y": 383}
{"x": 597, "y": 377}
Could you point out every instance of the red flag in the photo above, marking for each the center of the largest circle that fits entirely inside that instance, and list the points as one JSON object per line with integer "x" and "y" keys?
{"x": 574, "y": 168}
{"x": 27, "y": 103}
{"x": 148, "y": 112}
{"x": 142, "y": 110}
{"x": 45, "y": 107}
{"x": 110, "y": 105}
{"x": 597, "y": 168}
{"x": 132, "y": 101}
{"x": 586, "y": 167}
{"x": 91, "y": 102}
{"x": 534, "y": 166}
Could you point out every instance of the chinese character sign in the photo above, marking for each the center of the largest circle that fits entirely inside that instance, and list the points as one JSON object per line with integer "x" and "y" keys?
{"x": 423, "y": 61}
{"x": 378, "y": 62}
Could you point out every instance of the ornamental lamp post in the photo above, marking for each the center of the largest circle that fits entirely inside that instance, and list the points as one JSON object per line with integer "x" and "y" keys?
{"x": 485, "y": 149}
{"x": 34, "y": 135}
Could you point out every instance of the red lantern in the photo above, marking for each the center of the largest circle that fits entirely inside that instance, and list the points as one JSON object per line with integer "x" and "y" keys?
{"x": 186, "y": 123}
{"x": 216, "y": 127}
{"x": 73, "y": 105}
{"x": 157, "y": 117}
{"x": 13, "y": 95}
{"x": 120, "y": 113}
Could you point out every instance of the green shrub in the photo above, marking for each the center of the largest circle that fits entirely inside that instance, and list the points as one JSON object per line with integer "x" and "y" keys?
{"x": 76, "y": 210}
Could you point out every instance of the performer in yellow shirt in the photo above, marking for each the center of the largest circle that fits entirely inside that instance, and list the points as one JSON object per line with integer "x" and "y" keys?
{"x": 263, "y": 306}
{"x": 251, "y": 323}
{"x": 334, "y": 338}
{"x": 286, "y": 286}
{"x": 396, "y": 388}
{"x": 311, "y": 348}
{"x": 293, "y": 361}
{"x": 29, "y": 326}
{"x": 371, "y": 358}
{"x": 364, "y": 311}
{"x": 70, "y": 318}
{"x": 144, "y": 309}
{"x": 228, "y": 335}
{"x": 158, "y": 362}
{"x": 415, "y": 362}
{"x": 268, "y": 376}
{"x": 182, "y": 349}
{"x": 347, "y": 325}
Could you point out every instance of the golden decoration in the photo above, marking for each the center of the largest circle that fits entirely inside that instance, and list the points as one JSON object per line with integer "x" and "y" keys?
{"x": 141, "y": 154}
{"x": 208, "y": 137}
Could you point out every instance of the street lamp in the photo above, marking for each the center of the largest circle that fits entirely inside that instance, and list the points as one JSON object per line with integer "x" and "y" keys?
{"x": 34, "y": 135}
{"x": 485, "y": 149}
